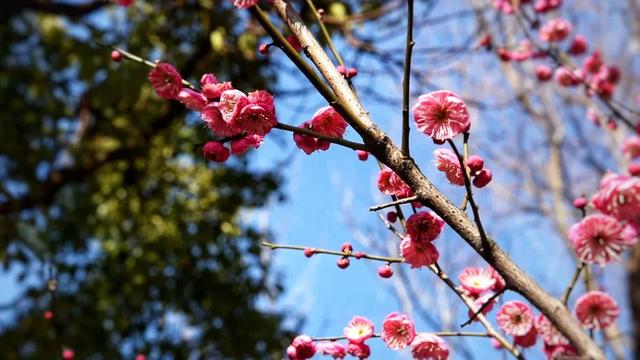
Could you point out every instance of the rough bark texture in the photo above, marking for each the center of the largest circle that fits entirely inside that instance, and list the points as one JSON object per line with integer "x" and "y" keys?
{"x": 387, "y": 152}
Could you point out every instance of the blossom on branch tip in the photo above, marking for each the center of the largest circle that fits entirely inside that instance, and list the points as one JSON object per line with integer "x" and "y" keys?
{"x": 166, "y": 80}
{"x": 256, "y": 116}
{"x": 427, "y": 346}
{"x": 327, "y": 121}
{"x": 596, "y": 310}
{"x": 601, "y": 238}
{"x": 358, "y": 330}
{"x": 447, "y": 162}
{"x": 441, "y": 115}
{"x": 304, "y": 347}
{"x": 515, "y": 318}
{"x": 418, "y": 254}
{"x": 398, "y": 331}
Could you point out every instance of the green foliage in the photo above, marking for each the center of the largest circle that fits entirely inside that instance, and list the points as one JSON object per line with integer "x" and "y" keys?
{"x": 103, "y": 179}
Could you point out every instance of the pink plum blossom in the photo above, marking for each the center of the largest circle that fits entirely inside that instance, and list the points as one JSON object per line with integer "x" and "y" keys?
{"x": 441, "y": 115}
{"x": 424, "y": 226}
{"x": 596, "y": 310}
{"x": 427, "y": 346}
{"x": 358, "y": 330}
{"x": 418, "y": 254}
{"x": 619, "y": 196}
{"x": 398, "y": 331}
{"x": 192, "y": 99}
{"x": 476, "y": 280}
{"x": 555, "y": 30}
{"x": 515, "y": 318}
{"x": 166, "y": 80}
{"x": 447, "y": 162}
{"x": 601, "y": 238}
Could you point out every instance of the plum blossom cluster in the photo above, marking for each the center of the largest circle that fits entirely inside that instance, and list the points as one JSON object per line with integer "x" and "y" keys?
{"x": 398, "y": 332}
{"x": 417, "y": 247}
{"x": 447, "y": 162}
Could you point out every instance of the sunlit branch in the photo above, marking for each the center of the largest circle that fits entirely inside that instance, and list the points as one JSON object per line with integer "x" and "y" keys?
{"x": 325, "y": 33}
{"x": 333, "y": 252}
{"x": 394, "y": 203}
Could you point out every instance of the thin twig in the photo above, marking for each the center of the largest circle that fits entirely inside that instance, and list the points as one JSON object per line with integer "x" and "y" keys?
{"x": 406, "y": 81}
{"x": 333, "y": 252}
{"x": 338, "y": 141}
{"x": 393, "y": 203}
{"x": 324, "y": 31}
{"x": 484, "y": 306}
{"x": 572, "y": 283}
{"x": 439, "y": 333}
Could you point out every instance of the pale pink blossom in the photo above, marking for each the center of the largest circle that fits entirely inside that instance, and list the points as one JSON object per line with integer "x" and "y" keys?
{"x": 447, "y": 162}
{"x": 418, "y": 254}
{"x": 244, "y": 4}
{"x": 398, "y": 331}
{"x": 361, "y": 351}
{"x": 334, "y": 349}
{"x": 166, "y": 80}
{"x": 240, "y": 146}
{"x": 427, "y": 346}
{"x": 515, "y": 318}
{"x": 476, "y": 280}
{"x": 549, "y": 333}
{"x": 358, "y": 330}
{"x": 231, "y": 103}
{"x": 327, "y": 121}
{"x": 601, "y": 238}
{"x": 192, "y": 99}
{"x": 441, "y": 115}
{"x": 424, "y": 226}
{"x": 619, "y": 196}
{"x": 555, "y": 30}
{"x": 596, "y": 310}
{"x": 631, "y": 147}
{"x": 256, "y": 116}
{"x": 213, "y": 118}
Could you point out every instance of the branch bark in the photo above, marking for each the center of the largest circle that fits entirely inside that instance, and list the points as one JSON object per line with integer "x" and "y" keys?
{"x": 387, "y": 152}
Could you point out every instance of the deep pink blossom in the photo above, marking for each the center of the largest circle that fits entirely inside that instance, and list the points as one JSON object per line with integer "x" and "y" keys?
{"x": 619, "y": 196}
{"x": 327, "y": 121}
{"x": 358, "y": 330}
{"x": 166, "y": 80}
{"x": 559, "y": 351}
{"x": 192, "y": 99}
{"x": 213, "y": 118}
{"x": 601, "y": 238}
{"x": 596, "y": 310}
{"x": 631, "y": 147}
{"x": 543, "y": 72}
{"x": 500, "y": 283}
{"x": 555, "y": 30}
{"x": 427, "y": 346}
{"x": 441, "y": 115}
{"x": 594, "y": 63}
{"x": 447, "y": 162}
{"x": 116, "y": 56}
{"x": 211, "y": 88}
{"x": 334, "y": 349}
{"x": 215, "y": 151}
{"x": 424, "y": 226}
{"x": 241, "y": 146}
{"x": 305, "y": 348}
{"x": 362, "y": 155}
{"x": 528, "y": 339}
{"x": 566, "y": 77}
{"x": 125, "y": 3}
{"x": 361, "y": 351}
{"x": 543, "y": 6}
{"x": 476, "y": 280}
{"x": 578, "y": 45}
{"x": 398, "y": 331}
{"x": 256, "y": 115}
{"x": 309, "y": 144}
{"x": 515, "y": 318}
{"x": 549, "y": 333}
{"x": 475, "y": 163}
{"x": 244, "y": 4}
{"x": 482, "y": 178}
{"x": 390, "y": 183}
{"x": 418, "y": 254}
